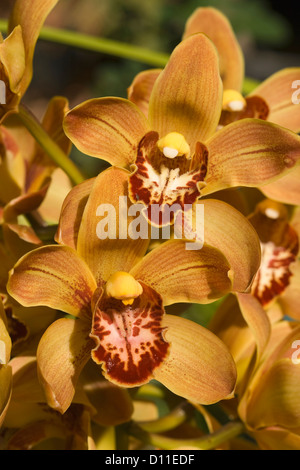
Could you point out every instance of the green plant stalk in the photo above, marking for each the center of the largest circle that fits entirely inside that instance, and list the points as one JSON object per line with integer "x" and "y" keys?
{"x": 103, "y": 45}
{"x": 49, "y": 146}
{"x": 111, "y": 47}
{"x": 208, "y": 442}
{"x": 168, "y": 422}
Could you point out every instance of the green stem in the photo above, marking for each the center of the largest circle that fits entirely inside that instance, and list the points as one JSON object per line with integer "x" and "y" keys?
{"x": 170, "y": 421}
{"x": 115, "y": 48}
{"x": 106, "y": 46}
{"x": 49, "y": 146}
{"x": 209, "y": 442}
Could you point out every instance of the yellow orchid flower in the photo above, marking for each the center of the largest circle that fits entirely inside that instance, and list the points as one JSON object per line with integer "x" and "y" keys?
{"x": 267, "y": 394}
{"x": 175, "y": 153}
{"x": 272, "y": 100}
{"x": 116, "y": 295}
{"x": 274, "y": 291}
{"x": 17, "y": 50}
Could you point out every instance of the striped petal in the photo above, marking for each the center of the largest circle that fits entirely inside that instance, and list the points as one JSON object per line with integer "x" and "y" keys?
{"x": 285, "y": 190}
{"x": 281, "y": 93}
{"x": 107, "y": 128}
{"x": 181, "y": 275}
{"x": 216, "y": 26}
{"x": 199, "y": 367}
{"x": 280, "y": 245}
{"x": 250, "y": 152}
{"x": 140, "y": 89}
{"x": 187, "y": 96}
{"x": 31, "y": 16}
{"x": 104, "y": 242}
{"x": 63, "y": 351}
{"x": 53, "y": 276}
{"x": 71, "y": 213}
{"x": 226, "y": 229}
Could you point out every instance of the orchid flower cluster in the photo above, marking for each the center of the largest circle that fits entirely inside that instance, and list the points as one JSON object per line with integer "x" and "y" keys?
{"x": 95, "y": 344}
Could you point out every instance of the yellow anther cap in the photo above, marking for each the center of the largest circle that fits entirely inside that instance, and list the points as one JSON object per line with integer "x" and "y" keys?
{"x": 174, "y": 145}
{"x": 233, "y": 101}
{"x": 123, "y": 286}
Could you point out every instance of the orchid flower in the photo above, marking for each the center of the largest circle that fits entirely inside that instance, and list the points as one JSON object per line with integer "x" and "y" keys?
{"x": 175, "y": 154}
{"x": 267, "y": 395}
{"x": 115, "y": 297}
{"x": 271, "y": 100}
{"x": 275, "y": 288}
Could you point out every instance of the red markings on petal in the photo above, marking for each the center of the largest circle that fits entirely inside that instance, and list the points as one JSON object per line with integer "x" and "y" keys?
{"x": 280, "y": 245}
{"x": 274, "y": 274}
{"x": 165, "y": 185}
{"x": 130, "y": 341}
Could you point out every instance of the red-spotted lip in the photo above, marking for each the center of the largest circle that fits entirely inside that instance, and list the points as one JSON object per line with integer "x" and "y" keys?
{"x": 130, "y": 338}
{"x": 165, "y": 186}
{"x": 274, "y": 274}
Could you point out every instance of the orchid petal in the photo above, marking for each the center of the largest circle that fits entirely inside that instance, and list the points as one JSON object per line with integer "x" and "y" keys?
{"x": 41, "y": 166}
{"x": 257, "y": 320}
{"x": 5, "y": 390}
{"x": 12, "y": 57}
{"x": 71, "y": 213}
{"x": 199, "y": 366}
{"x": 5, "y": 341}
{"x": 250, "y": 152}
{"x": 107, "y": 128}
{"x": 289, "y": 300}
{"x": 25, "y": 203}
{"x": 12, "y": 167}
{"x": 31, "y": 16}
{"x": 187, "y": 96}
{"x": 228, "y": 230}
{"x": 182, "y": 275}
{"x": 113, "y": 404}
{"x": 286, "y": 189}
{"x": 275, "y": 400}
{"x": 106, "y": 253}
{"x": 53, "y": 276}
{"x": 277, "y": 438}
{"x": 63, "y": 351}
{"x": 59, "y": 187}
{"x": 277, "y": 91}
{"x": 140, "y": 89}
{"x": 217, "y": 27}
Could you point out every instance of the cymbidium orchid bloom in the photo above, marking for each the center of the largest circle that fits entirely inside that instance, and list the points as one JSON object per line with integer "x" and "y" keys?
{"x": 271, "y": 100}
{"x": 267, "y": 398}
{"x": 277, "y": 280}
{"x": 176, "y": 154}
{"x": 115, "y": 295}
{"x": 274, "y": 291}
{"x": 17, "y": 50}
